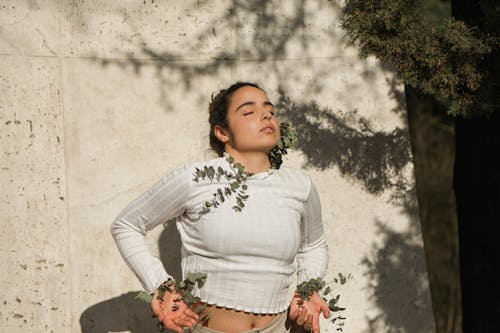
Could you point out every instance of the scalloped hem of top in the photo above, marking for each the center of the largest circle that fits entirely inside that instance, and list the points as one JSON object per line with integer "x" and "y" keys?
{"x": 243, "y": 308}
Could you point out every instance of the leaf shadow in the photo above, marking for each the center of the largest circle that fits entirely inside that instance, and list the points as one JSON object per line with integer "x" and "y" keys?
{"x": 348, "y": 142}
{"x": 398, "y": 273}
{"x": 268, "y": 37}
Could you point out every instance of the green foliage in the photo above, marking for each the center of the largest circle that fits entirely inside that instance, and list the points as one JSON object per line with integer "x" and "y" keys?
{"x": 185, "y": 289}
{"x": 443, "y": 60}
{"x": 144, "y": 296}
{"x": 237, "y": 186}
{"x": 288, "y": 140}
{"x": 306, "y": 289}
{"x": 238, "y": 176}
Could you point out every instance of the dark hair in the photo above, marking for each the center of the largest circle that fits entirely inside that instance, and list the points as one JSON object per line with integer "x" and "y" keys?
{"x": 218, "y": 109}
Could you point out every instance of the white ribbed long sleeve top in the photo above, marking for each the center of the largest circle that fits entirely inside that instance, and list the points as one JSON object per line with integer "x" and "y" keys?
{"x": 249, "y": 256}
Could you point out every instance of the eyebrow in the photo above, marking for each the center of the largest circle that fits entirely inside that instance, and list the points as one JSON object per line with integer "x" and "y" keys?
{"x": 253, "y": 103}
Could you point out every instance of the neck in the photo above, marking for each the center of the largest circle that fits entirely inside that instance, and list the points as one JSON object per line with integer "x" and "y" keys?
{"x": 253, "y": 162}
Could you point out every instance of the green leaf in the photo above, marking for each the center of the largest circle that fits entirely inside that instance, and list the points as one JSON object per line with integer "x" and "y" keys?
{"x": 144, "y": 296}
{"x": 342, "y": 278}
{"x": 211, "y": 172}
{"x": 191, "y": 277}
{"x": 221, "y": 195}
{"x": 220, "y": 172}
{"x": 188, "y": 299}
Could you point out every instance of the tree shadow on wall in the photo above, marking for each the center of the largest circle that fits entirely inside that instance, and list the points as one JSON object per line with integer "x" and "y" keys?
{"x": 327, "y": 139}
{"x": 377, "y": 161}
{"x": 126, "y": 312}
{"x": 269, "y": 38}
{"x": 398, "y": 273}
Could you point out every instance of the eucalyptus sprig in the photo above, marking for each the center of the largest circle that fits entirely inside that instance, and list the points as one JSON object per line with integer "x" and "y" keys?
{"x": 236, "y": 179}
{"x": 287, "y": 141}
{"x": 185, "y": 289}
{"x": 238, "y": 176}
{"x": 306, "y": 289}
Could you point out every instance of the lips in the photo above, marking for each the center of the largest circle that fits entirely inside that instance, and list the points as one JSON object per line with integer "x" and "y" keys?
{"x": 267, "y": 129}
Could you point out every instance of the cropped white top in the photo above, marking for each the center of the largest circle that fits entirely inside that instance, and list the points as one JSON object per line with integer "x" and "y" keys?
{"x": 249, "y": 256}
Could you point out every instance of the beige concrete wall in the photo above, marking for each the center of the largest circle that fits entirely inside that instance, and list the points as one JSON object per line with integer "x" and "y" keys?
{"x": 98, "y": 99}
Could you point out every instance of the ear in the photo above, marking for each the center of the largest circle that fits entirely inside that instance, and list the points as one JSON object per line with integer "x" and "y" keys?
{"x": 221, "y": 134}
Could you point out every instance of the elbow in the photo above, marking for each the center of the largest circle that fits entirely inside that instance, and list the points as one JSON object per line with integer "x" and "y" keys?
{"x": 126, "y": 224}
{"x": 120, "y": 224}
{"x": 116, "y": 226}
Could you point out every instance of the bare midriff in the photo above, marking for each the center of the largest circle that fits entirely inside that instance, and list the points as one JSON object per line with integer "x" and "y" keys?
{"x": 230, "y": 320}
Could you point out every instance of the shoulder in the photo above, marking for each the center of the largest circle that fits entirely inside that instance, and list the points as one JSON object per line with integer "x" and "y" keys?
{"x": 296, "y": 178}
{"x": 297, "y": 174}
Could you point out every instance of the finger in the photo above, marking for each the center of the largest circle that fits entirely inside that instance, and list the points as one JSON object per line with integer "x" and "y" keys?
{"x": 191, "y": 314}
{"x": 325, "y": 309}
{"x": 173, "y": 326}
{"x": 309, "y": 320}
{"x": 181, "y": 322}
{"x": 190, "y": 322}
{"x": 185, "y": 320}
{"x": 315, "y": 324}
{"x": 300, "y": 314}
{"x": 294, "y": 313}
{"x": 156, "y": 306}
{"x": 301, "y": 320}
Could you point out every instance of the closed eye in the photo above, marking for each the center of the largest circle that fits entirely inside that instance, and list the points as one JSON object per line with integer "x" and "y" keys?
{"x": 247, "y": 113}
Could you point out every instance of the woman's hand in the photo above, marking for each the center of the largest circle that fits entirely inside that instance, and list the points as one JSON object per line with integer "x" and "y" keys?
{"x": 306, "y": 313}
{"x": 173, "y": 312}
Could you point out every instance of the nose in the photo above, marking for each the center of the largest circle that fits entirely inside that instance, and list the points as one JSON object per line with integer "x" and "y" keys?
{"x": 266, "y": 115}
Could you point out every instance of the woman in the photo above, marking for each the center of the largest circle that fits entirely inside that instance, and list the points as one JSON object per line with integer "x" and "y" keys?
{"x": 250, "y": 254}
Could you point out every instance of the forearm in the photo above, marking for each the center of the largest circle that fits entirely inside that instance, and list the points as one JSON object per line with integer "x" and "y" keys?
{"x": 160, "y": 203}
{"x": 134, "y": 250}
{"x": 312, "y": 261}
